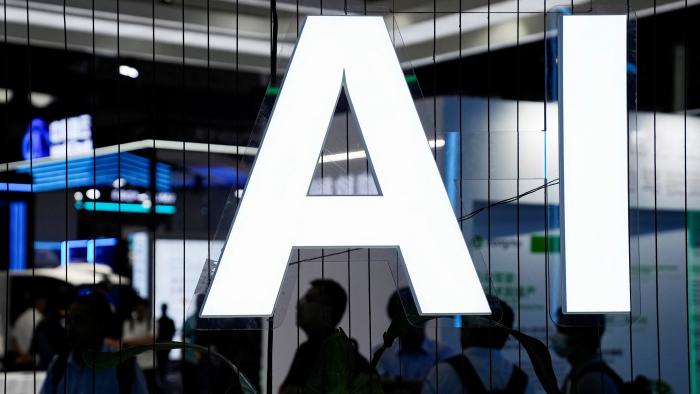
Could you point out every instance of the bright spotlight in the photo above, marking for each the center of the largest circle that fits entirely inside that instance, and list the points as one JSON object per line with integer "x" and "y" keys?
{"x": 128, "y": 71}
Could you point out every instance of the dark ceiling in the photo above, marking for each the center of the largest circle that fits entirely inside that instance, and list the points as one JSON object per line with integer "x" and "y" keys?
{"x": 176, "y": 102}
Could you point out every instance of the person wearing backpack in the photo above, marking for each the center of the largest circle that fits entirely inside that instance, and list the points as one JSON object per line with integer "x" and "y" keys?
{"x": 578, "y": 341}
{"x": 87, "y": 328}
{"x": 481, "y": 368}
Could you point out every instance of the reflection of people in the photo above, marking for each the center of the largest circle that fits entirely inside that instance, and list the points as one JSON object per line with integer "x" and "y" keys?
{"x": 138, "y": 331}
{"x": 166, "y": 330}
{"x": 318, "y": 314}
{"x": 413, "y": 355}
{"x": 50, "y": 337}
{"x": 86, "y": 332}
{"x": 194, "y": 379}
{"x": 481, "y": 367}
{"x": 578, "y": 340}
{"x": 23, "y": 331}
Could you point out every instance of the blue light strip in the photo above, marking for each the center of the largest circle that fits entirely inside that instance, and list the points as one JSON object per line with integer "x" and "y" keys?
{"x": 15, "y": 187}
{"x": 451, "y": 174}
{"x": 123, "y": 207}
{"x": 90, "y": 251}
{"x": 84, "y": 172}
{"x": 64, "y": 254}
{"x": 90, "y": 244}
{"x": 47, "y": 245}
{"x": 451, "y": 169}
{"x": 18, "y": 235}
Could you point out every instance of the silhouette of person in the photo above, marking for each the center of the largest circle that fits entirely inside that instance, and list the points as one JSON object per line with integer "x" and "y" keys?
{"x": 22, "y": 333}
{"x": 50, "y": 337}
{"x": 578, "y": 341}
{"x": 166, "y": 331}
{"x": 318, "y": 314}
{"x": 195, "y": 375}
{"x": 481, "y": 368}
{"x": 86, "y": 325}
{"x": 413, "y": 355}
{"x": 138, "y": 330}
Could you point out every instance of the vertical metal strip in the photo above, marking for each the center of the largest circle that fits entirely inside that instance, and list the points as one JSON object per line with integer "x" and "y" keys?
{"x": 273, "y": 82}
{"x": 631, "y": 315}
{"x": 517, "y": 170}
{"x": 656, "y": 212}
{"x": 488, "y": 169}
{"x": 545, "y": 183}
{"x": 689, "y": 225}
{"x": 93, "y": 96}
{"x": 67, "y": 175}
{"x": 184, "y": 193}
{"x": 152, "y": 220}
{"x": 119, "y": 168}
{"x": 209, "y": 224}
{"x": 6, "y": 122}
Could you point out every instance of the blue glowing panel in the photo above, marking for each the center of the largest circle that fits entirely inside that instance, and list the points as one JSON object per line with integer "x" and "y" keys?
{"x": 15, "y": 187}
{"x": 99, "y": 171}
{"x": 99, "y": 250}
{"x": 18, "y": 235}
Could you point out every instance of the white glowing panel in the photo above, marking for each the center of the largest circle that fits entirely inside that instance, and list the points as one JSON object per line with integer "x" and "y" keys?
{"x": 413, "y": 213}
{"x": 593, "y": 164}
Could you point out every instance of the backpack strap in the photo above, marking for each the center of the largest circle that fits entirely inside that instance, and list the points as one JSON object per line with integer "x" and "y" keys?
{"x": 518, "y": 382}
{"x": 58, "y": 369}
{"x": 126, "y": 373}
{"x": 467, "y": 374}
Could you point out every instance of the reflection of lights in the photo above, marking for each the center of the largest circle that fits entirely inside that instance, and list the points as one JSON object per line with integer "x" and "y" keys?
{"x": 360, "y": 154}
{"x": 239, "y": 193}
{"x": 165, "y": 198}
{"x": 6, "y": 95}
{"x": 147, "y": 204}
{"x": 15, "y": 187}
{"x": 78, "y": 196}
{"x": 123, "y": 207}
{"x": 119, "y": 182}
{"x": 135, "y": 196}
{"x": 41, "y": 100}
{"x": 93, "y": 194}
{"x": 18, "y": 235}
{"x": 87, "y": 172}
{"x": 128, "y": 71}
{"x": 90, "y": 245}
{"x": 111, "y": 150}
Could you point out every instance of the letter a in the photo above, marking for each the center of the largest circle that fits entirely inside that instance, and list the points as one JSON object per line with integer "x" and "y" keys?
{"x": 413, "y": 212}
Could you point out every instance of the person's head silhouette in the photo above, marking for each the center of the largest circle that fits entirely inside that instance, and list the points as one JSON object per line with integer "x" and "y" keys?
{"x": 578, "y": 336}
{"x": 412, "y": 333}
{"x": 476, "y": 334}
{"x": 88, "y": 317}
{"x": 322, "y": 307}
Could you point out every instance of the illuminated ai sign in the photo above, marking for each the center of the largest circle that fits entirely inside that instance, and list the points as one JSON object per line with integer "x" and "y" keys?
{"x": 412, "y": 213}
{"x": 593, "y": 168}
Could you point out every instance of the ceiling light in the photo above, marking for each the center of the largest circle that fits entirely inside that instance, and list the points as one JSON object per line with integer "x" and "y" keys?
{"x": 93, "y": 194}
{"x": 360, "y": 154}
{"x": 118, "y": 183}
{"x": 41, "y": 100}
{"x": 5, "y": 95}
{"x": 128, "y": 71}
